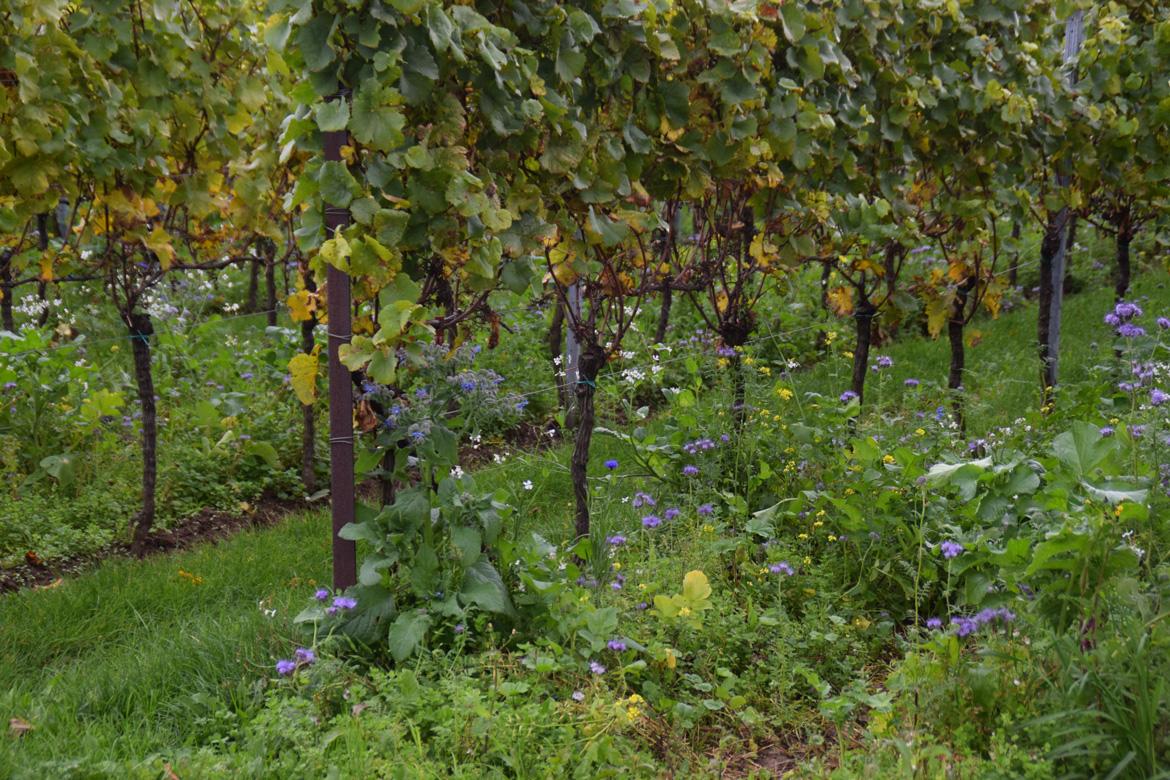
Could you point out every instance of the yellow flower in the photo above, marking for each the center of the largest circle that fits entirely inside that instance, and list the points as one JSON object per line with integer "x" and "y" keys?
{"x": 684, "y": 612}
{"x": 888, "y": 459}
{"x": 635, "y": 699}
{"x": 765, "y": 371}
{"x": 848, "y": 491}
{"x": 832, "y": 538}
{"x": 747, "y": 361}
{"x": 802, "y": 536}
{"x": 617, "y": 565}
{"x": 847, "y": 354}
{"x": 920, "y": 432}
{"x": 817, "y": 524}
{"x": 807, "y": 561}
{"x": 708, "y": 529}
{"x": 784, "y": 393}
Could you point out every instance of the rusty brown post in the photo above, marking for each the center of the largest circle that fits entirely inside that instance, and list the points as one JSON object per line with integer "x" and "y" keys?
{"x": 340, "y": 389}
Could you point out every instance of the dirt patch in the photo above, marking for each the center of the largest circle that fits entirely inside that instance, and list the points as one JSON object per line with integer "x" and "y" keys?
{"x": 207, "y": 525}
{"x": 210, "y": 525}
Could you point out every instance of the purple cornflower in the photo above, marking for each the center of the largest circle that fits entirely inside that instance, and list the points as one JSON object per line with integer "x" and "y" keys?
{"x": 304, "y": 655}
{"x": 951, "y": 549}
{"x": 911, "y": 383}
{"x": 725, "y": 438}
{"x": 285, "y": 666}
{"x": 671, "y": 514}
{"x": 964, "y": 625}
{"x": 1136, "y": 431}
{"x": 1163, "y": 323}
{"x": 643, "y": 606}
{"x": 875, "y": 536}
{"x": 596, "y": 668}
{"x": 641, "y": 498}
{"x": 1157, "y": 397}
{"x": 611, "y": 464}
{"x": 706, "y": 510}
{"x": 651, "y": 521}
{"x": 459, "y": 629}
{"x": 617, "y": 540}
{"x": 1126, "y": 310}
{"x": 847, "y": 396}
{"x": 885, "y": 361}
{"x": 344, "y": 602}
{"x": 321, "y": 595}
{"x": 934, "y": 623}
{"x": 781, "y": 568}
{"x": 691, "y": 471}
{"x": 616, "y": 645}
{"x": 1106, "y": 432}
{"x": 1112, "y": 319}
{"x": 1130, "y": 331}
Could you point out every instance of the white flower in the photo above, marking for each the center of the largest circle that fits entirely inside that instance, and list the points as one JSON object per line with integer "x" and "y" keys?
{"x": 457, "y": 472}
{"x": 557, "y": 360}
{"x": 528, "y": 484}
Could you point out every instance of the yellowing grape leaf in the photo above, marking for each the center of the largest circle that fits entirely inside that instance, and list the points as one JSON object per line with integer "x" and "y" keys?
{"x": 937, "y": 313}
{"x": 159, "y": 242}
{"x": 303, "y": 368}
{"x": 301, "y": 306}
{"x": 841, "y": 300}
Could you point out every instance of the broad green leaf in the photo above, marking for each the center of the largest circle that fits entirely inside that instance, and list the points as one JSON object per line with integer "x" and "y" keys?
{"x": 407, "y": 634}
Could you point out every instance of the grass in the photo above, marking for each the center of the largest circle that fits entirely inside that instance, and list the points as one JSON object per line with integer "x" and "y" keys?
{"x": 124, "y": 660}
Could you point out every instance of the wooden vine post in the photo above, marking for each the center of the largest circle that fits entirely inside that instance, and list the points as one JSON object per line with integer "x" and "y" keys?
{"x": 340, "y": 390}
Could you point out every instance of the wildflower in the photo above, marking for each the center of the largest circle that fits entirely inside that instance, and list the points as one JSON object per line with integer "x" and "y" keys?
{"x": 1136, "y": 431}
{"x": 1157, "y": 397}
{"x": 951, "y": 549}
{"x": 672, "y": 513}
{"x": 457, "y": 472}
{"x": 651, "y": 521}
{"x": 615, "y": 541}
{"x": 285, "y": 666}
{"x": 611, "y": 464}
{"x": 643, "y": 606}
{"x": 847, "y": 396}
{"x": 782, "y": 568}
{"x": 578, "y": 696}
{"x": 616, "y": 645}
{"x": 344, "y": 602}
{"x": 459, "y": 629}
{"x": 1112, "y": 319}
{"x": 528, "y": 484}
{"x": 706, "y": 510}
{"x": 1126, "y": 310}
{"x": 1130, "y": 331}
{"x": 321, "y": 595}
{"x": 1106, "y": 432}
{"x": 304, "y": 655}
{"x": 934, "y": 623}
{"x": 641, "y": 498}
{"x": 911, "y": 383}
{"x": 1163, "y": 323}
{"x": 691, "y": 471}
{"x": 885, "y": 361}
{"x": 596, "y": 668}
{"x": 418, "y": 435}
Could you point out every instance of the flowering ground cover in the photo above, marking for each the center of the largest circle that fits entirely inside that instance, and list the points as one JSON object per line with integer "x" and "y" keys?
{"x": 793, "y": 586}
